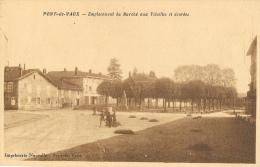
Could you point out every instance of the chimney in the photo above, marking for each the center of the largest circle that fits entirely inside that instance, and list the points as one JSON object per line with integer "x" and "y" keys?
{"x": 23, "y": 66}
{"x": 76, "y": 70}
{"x": 130, "y": 74}
{"x": 90, "y": 71}
{"x": 65, "y": 69}
{"x": 21, "y": 70}
{"x": 44, "y": 71}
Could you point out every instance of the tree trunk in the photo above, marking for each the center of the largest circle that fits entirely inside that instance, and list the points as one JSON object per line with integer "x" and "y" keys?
{"x": 163, "y": 102}
{"x": 209, "y": 104}
{"x": 192, "y": 103}
{"x": 180, "y": 104}
{"x": 106, "y": 101}
{"x": 213, "y": 104}
{"x": 173, "y": 105}
{"x": 204, "y": 104}
{"x": 169, "y": 104}
{"x": 140, "y": 104}
{"x": 199, "y": 105}
{"x": 165, "y": 105}
{"x": 117, "y": 102}
{"x": 148, "y": 103}
{"x": 157, "y": 103}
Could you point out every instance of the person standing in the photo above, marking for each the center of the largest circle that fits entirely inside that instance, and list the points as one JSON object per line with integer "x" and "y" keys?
{"x": 108, "y": 118}
{"x": 114, "y": 118}
{"x": 102, "y": 117}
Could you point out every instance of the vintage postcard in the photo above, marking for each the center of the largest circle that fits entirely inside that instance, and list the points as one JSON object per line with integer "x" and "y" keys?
{"x": 122, "y": 83}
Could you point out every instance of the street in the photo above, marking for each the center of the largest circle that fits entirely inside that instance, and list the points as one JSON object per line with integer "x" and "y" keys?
{"x": 57, "y": 130}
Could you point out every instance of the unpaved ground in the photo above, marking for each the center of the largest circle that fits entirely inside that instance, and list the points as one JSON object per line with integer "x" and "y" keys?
{"x": 56, "y": 130}
{"x": 228, "y": 140}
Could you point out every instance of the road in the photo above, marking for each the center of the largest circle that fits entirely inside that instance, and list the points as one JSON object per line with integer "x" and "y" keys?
{"x": 64, "y": 129}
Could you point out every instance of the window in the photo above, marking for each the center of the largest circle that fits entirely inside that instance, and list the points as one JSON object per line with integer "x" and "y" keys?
{"x": 10, "y": 87}
{"x": 29, "y": 90}
{"x": 38, "y": 100}
{"x": 78, "y": 92}
{"x": 24, "y": 85}
{"x": 5, "y": 87}
{"x": 86, "y": 90}
{"x": 48, "y": 100}
{"x": 33, "y": 76}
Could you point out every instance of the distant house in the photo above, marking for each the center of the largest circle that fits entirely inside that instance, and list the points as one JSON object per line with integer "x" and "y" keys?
{"x": 251, "y": 94}
{"x": 81, "y": 85}
{"x": 132, "y": 87}
{"x": 28, "y": 89}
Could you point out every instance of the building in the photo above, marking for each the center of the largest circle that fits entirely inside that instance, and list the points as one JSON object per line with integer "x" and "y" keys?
{"x": 85, "y": 84}
{"x": 132, "y": 84}
{"x": 251, "y": 94}
{"x": 28, "y": 89}
{"x": 33, "y": 89}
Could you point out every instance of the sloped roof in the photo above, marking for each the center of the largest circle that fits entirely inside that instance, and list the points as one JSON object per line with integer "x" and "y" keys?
{"x": 141, "y": 77}
{"x": 252, "y": 47}
{"x": 67, "y": 74}
{"x": 63, "y": 84}
{"x": 14, "y": 74}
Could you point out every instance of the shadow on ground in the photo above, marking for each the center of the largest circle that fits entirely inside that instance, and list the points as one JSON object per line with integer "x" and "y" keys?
{"x": 227, "y": 140}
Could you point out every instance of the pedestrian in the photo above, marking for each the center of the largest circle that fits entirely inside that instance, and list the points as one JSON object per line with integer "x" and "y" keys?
{"x": 108, "y": 119}
{"x": 114, "y": 118}
{"x": 102, "y": 117}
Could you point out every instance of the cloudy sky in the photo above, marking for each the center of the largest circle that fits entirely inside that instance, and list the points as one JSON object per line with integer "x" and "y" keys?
{"x": 214, "y": 32}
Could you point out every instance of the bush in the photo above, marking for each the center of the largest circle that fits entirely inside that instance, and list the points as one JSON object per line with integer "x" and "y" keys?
{"x": 195, "y": 117}
{"x": 188, "y": 115}
{"x": 143, "y": 118}
{"x": 132, "y": 116}
{"x": 200, "y": 147}
{"x": 199, "y": 116}
{"x": 195, "y": 130}
{"x": 124, "y": 131}
{"x": 153, "y": 120}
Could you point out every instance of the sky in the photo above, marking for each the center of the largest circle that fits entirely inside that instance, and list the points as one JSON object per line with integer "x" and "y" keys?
{"x": 218, "y": 32}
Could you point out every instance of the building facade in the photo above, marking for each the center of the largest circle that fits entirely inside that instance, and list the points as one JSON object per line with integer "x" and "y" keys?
{"x": 34, "y": 89}
{"x": 28, "y": 89}
{"x": 87, "y": 82}
{"x": 251, "y": 94}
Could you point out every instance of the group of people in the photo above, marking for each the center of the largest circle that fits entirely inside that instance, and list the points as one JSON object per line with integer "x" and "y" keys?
{"x": 108, "y": 118}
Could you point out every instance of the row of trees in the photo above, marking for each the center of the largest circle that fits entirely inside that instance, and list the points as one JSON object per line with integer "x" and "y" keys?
{"x": 195, "y": 84}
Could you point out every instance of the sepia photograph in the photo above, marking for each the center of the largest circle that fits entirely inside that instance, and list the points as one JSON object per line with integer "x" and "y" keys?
{"x": 156, "y": 83}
